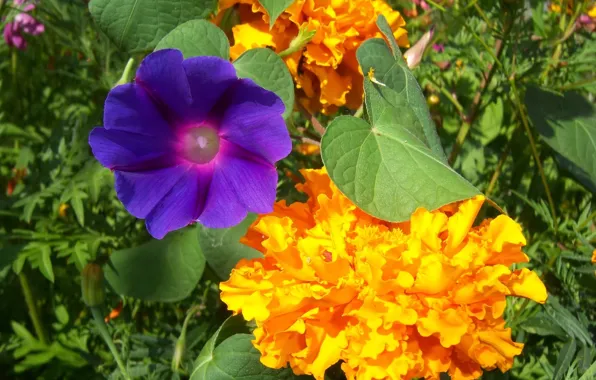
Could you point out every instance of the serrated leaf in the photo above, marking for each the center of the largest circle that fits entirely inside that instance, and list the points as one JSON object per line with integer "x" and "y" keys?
{"x": 542, "y": 324}
{"x": 45, "y": 264}
{"x": 22, "y": 332}
{"x": 77, "y": 205}
{"x": 565, "y": 358}
{"x": 568, "y": 125}
{"x": 275, "y": 8}
{"x": 222, "y": 247}
{"x": 197, "y": 38}
{"x": 385, "y": 167}
{"x": 138, "y": 25}
{"x": 161, "y": 270}
{"x": 567, "y": 321}
{"x": 269, "y": 71}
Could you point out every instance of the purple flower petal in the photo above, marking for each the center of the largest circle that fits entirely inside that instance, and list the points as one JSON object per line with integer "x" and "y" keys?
{"x": 141, "y": 191}
{"x": 252, "y": 119}
{"x": 239, "y": 185}
{"x": 162, "y": 75}
{"x": 209, "y": 79}
{"x": 182, "y": 204}
{"x": 119, "y": 150}
{"x": 129, "y": 108}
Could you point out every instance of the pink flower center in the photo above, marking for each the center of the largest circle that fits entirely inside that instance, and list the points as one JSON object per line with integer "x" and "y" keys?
{"x": 200, "y": 145}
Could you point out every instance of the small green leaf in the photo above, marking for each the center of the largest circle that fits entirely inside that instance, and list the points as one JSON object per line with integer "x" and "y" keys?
{"x": 491, "y": 121}
{"x": 138, "y": 25}
{"x": 275, "y": 8}
{"x": 9, "y": 253}
{"x": 590, "y": 374}
{"x": 386, "y": 168}
{"x": 22, "y": 332}
{"x": 229, "y": 354}
{"x": 162, "y": 270}
{"x": 45, "y": 266}
{"x": 568, "y": 124}
{"x": 197, "y": 38}
{"x": 229, "y": 327}
{"x": 222, "y": 247}
{"x": 565, "y": 358}
{"x": 268, "y": 71}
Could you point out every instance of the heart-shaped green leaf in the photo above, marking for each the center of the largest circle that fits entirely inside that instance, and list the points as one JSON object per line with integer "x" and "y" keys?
{"x": 275, "y": 8}
{"x": 568, "y": 124}
{"x": 222, "y": 247}
{"x": 229, "y": 354}
{"x": 138, "y": 25}
{"x": 162, "y": 270}
{"x": 394, "y": 164}
{"x": 268, "y": 71}
{"x": 197, "y": 38}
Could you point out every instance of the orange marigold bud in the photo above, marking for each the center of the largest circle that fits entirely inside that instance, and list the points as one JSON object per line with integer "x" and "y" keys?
{"x": 389, "y": 300}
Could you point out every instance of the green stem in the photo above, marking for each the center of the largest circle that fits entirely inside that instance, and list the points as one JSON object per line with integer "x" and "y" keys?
{"x": 103, "y": 331}
{"x": 526, "y": 125}
{"x": 181, "y": 343}
{"x": 476, "y": 103}
{"x": 127, "y": 74}
{"x": 360, "y": 111}
{"x": 32, "y": 308}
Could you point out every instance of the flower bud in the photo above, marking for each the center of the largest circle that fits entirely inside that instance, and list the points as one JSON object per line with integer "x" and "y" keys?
{"x": 92, "y": 285}
{"x": 413, "y": 55}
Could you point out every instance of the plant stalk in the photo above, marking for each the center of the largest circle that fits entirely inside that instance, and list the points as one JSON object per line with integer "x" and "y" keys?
{"x": 32, "y": 308}
{"x": 103, "y": 331}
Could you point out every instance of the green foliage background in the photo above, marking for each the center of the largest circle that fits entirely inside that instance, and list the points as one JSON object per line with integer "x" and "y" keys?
{"x": 494, "y": 95}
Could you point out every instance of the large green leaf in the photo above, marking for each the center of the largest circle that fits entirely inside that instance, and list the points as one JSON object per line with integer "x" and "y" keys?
{"x": 268, "y": 71}
{"x": 275, "y": 8}
{"x": 392, "y": 165}
{"x": 197, "y": 38}
{"x": 568, "y": 124}
{"x": 162, "y": 270}
{"x": 392, "y": 70}
{"x": 138, "y": 25}
{"x": 222, "y": 247}
{"x": 229, "y": 354}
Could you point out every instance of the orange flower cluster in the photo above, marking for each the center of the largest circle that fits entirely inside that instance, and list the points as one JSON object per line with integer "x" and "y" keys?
{"x": 325, "y": 70}
{"x": 389, "y": 300}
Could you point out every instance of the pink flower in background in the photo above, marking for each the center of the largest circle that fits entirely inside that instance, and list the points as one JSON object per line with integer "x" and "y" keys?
{"x": 422, "y": 4}
{"x": 23, "y": 22}
{"x": 439, "y": 48}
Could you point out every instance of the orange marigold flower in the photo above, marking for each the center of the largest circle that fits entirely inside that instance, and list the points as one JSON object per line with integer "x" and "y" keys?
{"x": 308, "y": 149}
{"x": 594, "y": 257}
{"x": 325, "y": 69}
{"x": 389, "y": 300}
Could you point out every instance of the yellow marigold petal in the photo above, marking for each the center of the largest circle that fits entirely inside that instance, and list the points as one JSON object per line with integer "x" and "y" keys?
{"x": 503, "y": 231}
{"x": 594, "y": 257}
{"x": 500, "y": 341}
{"x": 429, "y": 225}
{"x": 527, "y": 284}
{"x": 389, "y": 300}
{"x": 250, "y": 36}
{"x": 460, "y": 223}
{"x": 449, "y": 325}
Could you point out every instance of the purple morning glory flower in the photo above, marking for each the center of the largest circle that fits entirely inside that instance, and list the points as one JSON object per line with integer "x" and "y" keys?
{"x": 190, "y": 141}
{"x": 22, "y": 23}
